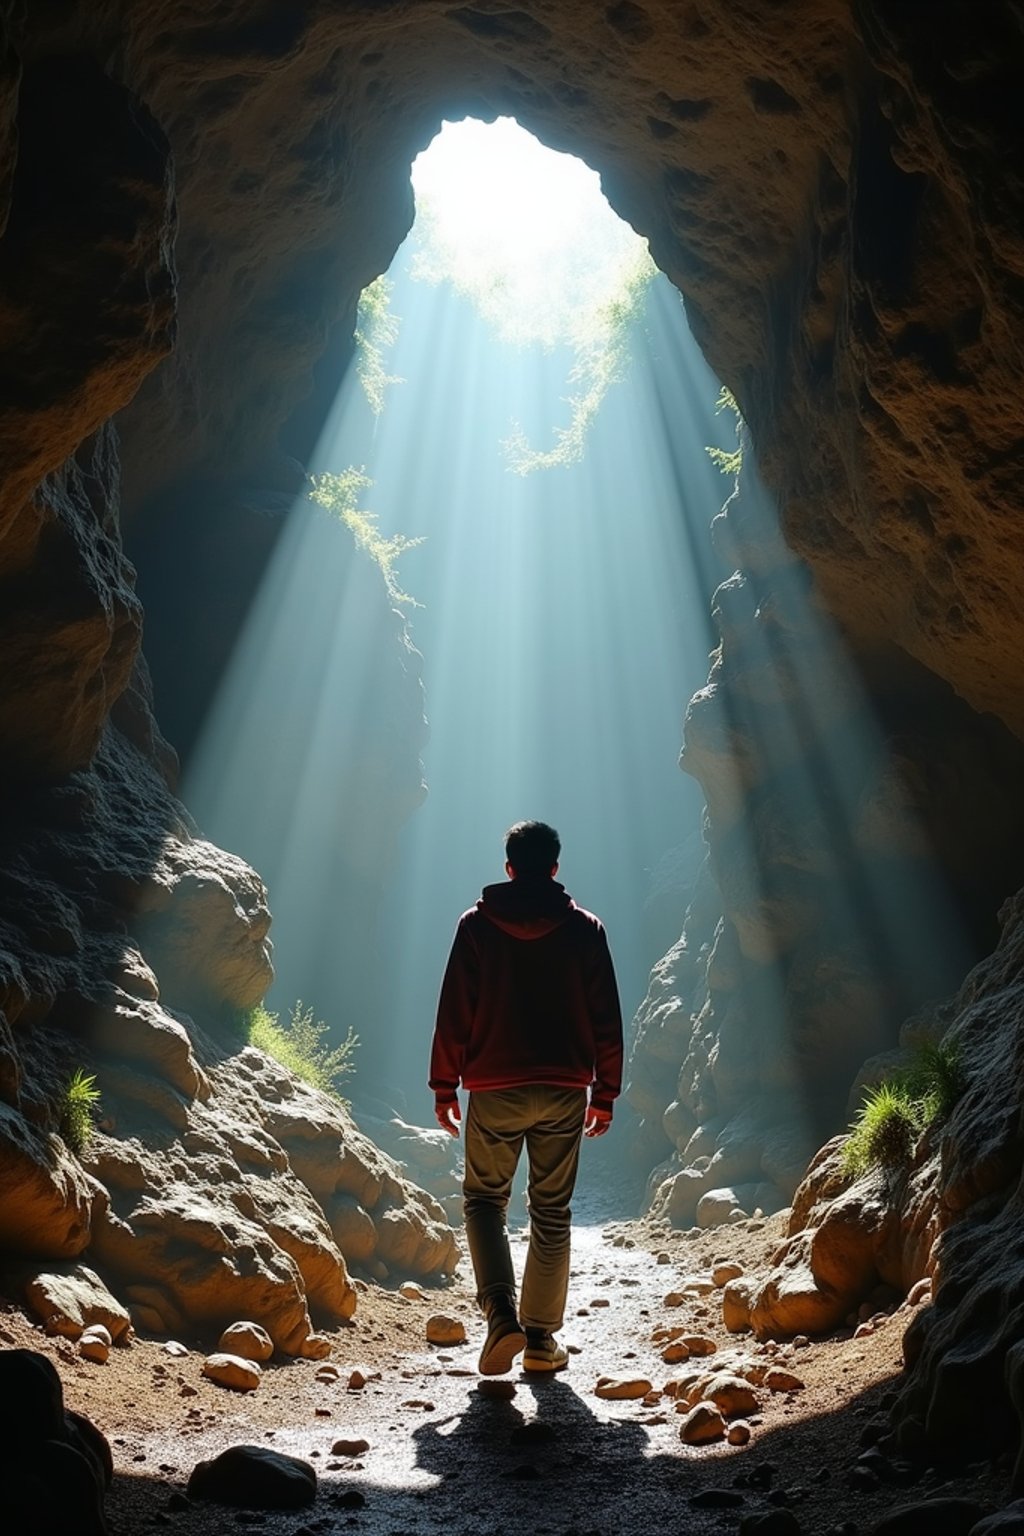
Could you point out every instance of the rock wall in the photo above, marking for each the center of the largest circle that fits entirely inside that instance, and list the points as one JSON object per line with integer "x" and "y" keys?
{"x": 832, "y": 184}
{"x": 863, "y": 826}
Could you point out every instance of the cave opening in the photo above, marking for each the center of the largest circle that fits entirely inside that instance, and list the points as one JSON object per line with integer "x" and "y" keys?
{"x": 559, "y": 609}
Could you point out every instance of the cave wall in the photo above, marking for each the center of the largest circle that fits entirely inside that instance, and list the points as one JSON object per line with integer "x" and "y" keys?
{"x": 832, "y": 186}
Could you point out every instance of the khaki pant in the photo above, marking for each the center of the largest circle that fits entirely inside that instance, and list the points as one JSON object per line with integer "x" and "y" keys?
{"x": 498, "y": 1120}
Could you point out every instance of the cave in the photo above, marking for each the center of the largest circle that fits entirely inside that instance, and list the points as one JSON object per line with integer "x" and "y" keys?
{"x": 194, "y": 202}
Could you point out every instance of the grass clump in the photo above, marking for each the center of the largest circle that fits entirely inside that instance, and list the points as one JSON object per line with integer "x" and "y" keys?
{"x": 299, "y": 1045}
{"x": 897, "y": 1112}
{"x": 78, "y": 1110}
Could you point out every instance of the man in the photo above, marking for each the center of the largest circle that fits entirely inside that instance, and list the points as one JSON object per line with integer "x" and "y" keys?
{"x": 528, "y": 1021}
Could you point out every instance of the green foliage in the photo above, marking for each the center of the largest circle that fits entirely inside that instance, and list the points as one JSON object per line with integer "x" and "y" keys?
{"x": 896, "y": 1112}
{"x": 78, "y": 1108}
{"x": 299, "y": 1045}
{"x": 376, "y": 331}
{"x": 602, "y": 347}
{"x": 339, "y": 494}
{"x": 729, "y": 463}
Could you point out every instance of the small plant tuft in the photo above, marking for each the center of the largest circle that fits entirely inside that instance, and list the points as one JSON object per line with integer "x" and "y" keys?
{"x": 730, "y": 463}
{"x": 338, "y": 495}
{"x": 78, "y": 1110}
{"x": 897, "y": 1112}
{"x": 299, "y": 1045}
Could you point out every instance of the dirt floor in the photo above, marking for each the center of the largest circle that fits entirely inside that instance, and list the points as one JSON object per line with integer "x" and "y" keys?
{"x": 553, "y": 1458}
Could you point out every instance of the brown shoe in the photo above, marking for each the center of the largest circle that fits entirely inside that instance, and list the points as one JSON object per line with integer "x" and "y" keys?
{"x": 505, "y": 1339}
{"x": 544, "y": 1353}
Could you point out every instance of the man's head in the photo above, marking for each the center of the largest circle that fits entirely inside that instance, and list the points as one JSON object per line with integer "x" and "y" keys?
{"x": 531, "y": 848}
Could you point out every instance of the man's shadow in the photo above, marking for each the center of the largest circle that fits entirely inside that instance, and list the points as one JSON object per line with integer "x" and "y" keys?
{"x": 494, "y": 1455}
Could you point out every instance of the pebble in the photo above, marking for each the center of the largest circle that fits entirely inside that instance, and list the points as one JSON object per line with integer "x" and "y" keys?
{"x": 328, "y": 1373}
{"x": 738, "y": 1432}
{"x": 716, "y": 1498}
{"x": 600, "y": 1301}
{"x": 357, "y": 1380}
{"x": 442, "y": 1329}
{"x": 411, "y": 1291}
{"x": 699, "y": 1344}
{"x": 730, "y": 1394}
{"x": 663, "y": 1258}
{"x": 778, "y": 1380}
{"x": 232, "y": 1371}
{"x": 702, "y": 1425}
{"x": 617, "y": 1387}
{"x": 920, "y": 1292}
{"x": 172, "y": 1347}
{"x": 349, "y": 1447}
{"x": 94, "y": 1344}
{"x": 673, "y": 1354}
{"x": 723, "y": 1273}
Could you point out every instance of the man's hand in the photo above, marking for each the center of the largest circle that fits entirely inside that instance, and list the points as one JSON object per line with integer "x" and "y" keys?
{"x": 596, "y": 1121}
{"x": 449, "y": 1115}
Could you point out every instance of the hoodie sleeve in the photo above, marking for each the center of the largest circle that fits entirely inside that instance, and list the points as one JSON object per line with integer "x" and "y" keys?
{"x": 606, "y": 1023}
{"x": 455, "y": 1010}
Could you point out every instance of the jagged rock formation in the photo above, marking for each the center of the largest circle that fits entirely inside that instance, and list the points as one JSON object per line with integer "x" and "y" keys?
{"x": 834, "y": 188}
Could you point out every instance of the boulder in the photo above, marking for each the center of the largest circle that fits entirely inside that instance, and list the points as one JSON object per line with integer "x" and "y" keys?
{"x": 702, "y": 1425}
{"x": 55, "y": 1465}
{"x": 67, "y": 1298}
{"x": 248, "y": 1340}
{"x": 252, "y": 1477}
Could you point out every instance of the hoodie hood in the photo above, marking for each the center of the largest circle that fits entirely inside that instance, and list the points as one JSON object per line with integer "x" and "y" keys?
{"x": 526, "y": 908}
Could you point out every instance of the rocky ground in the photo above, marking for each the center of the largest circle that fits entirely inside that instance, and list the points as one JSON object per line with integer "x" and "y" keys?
{"x": 423, "y": 1444}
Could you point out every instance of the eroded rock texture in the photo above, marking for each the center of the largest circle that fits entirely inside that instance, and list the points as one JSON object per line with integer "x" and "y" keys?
{"x": 834, "y": 186}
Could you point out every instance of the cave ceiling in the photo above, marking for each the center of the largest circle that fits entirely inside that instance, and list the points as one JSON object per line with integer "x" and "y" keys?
{"x": 833, "y": 186}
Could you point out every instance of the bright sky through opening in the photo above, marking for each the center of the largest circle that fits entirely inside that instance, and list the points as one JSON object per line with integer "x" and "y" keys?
{"x": 522, "y": 231}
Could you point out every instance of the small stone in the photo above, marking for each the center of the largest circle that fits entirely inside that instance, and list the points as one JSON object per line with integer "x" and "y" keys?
{"x": 232, "y": 1371}
{"x": 95, "y": 1344}
{"x": 600, "y": 1301}
{"x": 675, "y": 1299}
{"x": 187, "y": 1390}
{"x": 716, "y": 1498}
{"x": 350, "y": 1447}
{"x": 863, "y": 1330}
{"x": 723, "y": 1273}
{"x": 779, "y": 1380}
{"x": 248, "y": 1341}
{"x": 350, "y": 1499}
{"x": 801, "y": 1341}
{"x": 328, "y": 1373}
{"x": 618, "y": 1387}
{"x": 411, "y": 1291}
{"x": 494, "y": 1386}
{"x": 731, "y": 1395}
{"x": 738, "y": 1432}
{"x": 673, "y": 1354}
{"x": 702, "y": 1425}
{"x": 172, "y": 1347}
{"x": 357, "y": 1380}
{"x": 663, "y": 1258}
{"x": 699, "y": 1344}
{"x": 442, "y": 1329}
{"x": 920, "y": 1292}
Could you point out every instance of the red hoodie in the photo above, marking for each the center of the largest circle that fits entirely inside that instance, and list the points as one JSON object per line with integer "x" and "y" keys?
{"x": 529, "y": 996}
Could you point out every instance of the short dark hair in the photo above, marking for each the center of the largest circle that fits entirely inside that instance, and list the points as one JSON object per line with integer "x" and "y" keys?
{"x": 532, "y": 847}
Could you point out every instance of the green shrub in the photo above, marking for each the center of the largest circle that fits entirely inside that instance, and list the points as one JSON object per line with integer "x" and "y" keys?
{"x": 300, "y": 1046}
{"x": 895, "y": 1114}
{"x": 78, "y": 1108}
